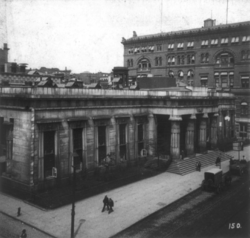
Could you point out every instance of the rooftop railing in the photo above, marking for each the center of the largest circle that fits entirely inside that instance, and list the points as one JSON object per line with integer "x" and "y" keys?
{"x": 95, "y": 93}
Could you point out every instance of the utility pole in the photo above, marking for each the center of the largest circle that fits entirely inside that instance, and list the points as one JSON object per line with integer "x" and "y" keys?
{"x": 73, "y": 204}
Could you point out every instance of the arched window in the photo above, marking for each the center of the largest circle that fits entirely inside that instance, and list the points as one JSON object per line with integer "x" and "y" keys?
{"x": 244, "y": 108}
{"x": 224, "y": 59}
{"x": 192, "y": 59}
{"x": 188, "y": 59}
{"x": 173, "y": 60}
{"x": 182, "y": 59}
{"x": 160, "y": 61}
{"x": 178, "y": 59}
{"x": 180, "y": 74}
{"x": 131, "y": 63}
{"x": 156, "y": 61}
{"x": 128, "y": 63}
{"x": 207, "y": 58}
{"x": 171, "y": 74}
{"x": 144, "y": 65}
{"x": 190, "y": 74}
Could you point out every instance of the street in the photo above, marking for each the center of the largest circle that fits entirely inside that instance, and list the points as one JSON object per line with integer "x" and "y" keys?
{"x": 12, "y": 228}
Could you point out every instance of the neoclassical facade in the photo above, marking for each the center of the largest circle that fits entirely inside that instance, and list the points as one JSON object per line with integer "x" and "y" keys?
{"x": 213, "y": 56}
{"x": 46, "y": 131}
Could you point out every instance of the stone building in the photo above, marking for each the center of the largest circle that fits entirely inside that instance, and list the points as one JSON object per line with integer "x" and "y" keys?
{"x": 45, "y": 131}
{"x": 213, "y": 56}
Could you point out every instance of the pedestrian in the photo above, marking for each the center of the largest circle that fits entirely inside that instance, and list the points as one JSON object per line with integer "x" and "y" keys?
{"x": 105, "y": 203}
{"x": 111, "y": 204}
{"x": 217, "y": 161}
{"x": 24, "y": 234}
{"x": 199, "y": 166}
{"x": 196, "y": 166}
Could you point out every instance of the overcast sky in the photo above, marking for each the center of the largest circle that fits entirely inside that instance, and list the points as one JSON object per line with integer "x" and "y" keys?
{"x": 86, "y": 35}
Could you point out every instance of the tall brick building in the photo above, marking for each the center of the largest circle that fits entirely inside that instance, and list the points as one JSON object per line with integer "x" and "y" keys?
{"x": 213, "y": 56}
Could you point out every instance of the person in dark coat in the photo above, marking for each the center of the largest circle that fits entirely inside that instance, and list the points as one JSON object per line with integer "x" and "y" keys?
{"x": 111, "y": 204}
{"x": 24, "y": 234}
{"x": 105, "y": 203}
{"x": 199, "y": 166}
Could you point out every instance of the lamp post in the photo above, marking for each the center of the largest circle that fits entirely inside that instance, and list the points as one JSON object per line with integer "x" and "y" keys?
{"x": 73, "y": 203}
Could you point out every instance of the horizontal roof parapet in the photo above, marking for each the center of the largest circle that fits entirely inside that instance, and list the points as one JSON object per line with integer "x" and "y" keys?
{"x": 101, "y": 93}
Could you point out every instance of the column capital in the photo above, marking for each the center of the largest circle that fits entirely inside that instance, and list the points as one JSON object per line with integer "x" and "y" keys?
{"x": 175, "y": 118}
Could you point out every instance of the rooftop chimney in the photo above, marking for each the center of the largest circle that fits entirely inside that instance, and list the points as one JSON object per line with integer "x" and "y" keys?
{"x": 209, "y": 23}
{"x": 134, "y": 34}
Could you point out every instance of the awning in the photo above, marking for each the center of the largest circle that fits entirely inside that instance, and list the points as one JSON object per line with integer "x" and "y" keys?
{"x": 231, "y": 73}
{"x": 216, "y": 74}
{"x": 243, "y": 104}
{"x": 122, "y": 115}
{"x": 223, "y": 73}
{"x": 203, "y": 78}
{"x": 244, "y": 77}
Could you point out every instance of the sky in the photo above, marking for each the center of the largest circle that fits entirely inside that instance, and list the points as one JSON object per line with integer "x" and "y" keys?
{"x": 85, "y": 35}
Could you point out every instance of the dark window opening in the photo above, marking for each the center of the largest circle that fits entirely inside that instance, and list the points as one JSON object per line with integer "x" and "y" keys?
{"x": 140, "y": 138}
{"x": 102, "y": 150}
{"x": 122, "y": 140}
{"x": 77, "y": 147}
{"x": 49, "y": 152}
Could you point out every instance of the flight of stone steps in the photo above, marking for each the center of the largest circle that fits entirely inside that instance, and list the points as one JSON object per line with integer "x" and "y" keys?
{"x": 188, "y": 165}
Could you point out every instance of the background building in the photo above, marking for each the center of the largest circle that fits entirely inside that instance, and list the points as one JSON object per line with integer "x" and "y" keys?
{"x": 213, "y": 56}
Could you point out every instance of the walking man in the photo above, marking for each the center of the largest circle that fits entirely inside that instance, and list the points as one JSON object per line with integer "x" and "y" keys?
{"x": 111, "y": 204}
{"x": 105, "y": 203}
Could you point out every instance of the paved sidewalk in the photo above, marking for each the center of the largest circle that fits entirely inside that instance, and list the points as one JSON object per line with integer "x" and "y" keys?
{"x": 132, "y": 203}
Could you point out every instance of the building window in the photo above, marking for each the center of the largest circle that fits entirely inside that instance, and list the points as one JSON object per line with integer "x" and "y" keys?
{"x": 159, "y": 47}
{"x": 178, "y": 60}
{"x": 188, "y": 59}
{"x": 205, "y": 58}
{"x": 122, "y": 142}
{"x": 169, "y": 60}
{"x": 173, "y": 60}
{"x": 102, "y": 147}
{"x": 243, "y": 130}
{"x": 144, "y": 49}
{"x": 244, "y": 108}
{"x": 180, "y": 74}
{"x": 128, "y": 63}
{"x": 225, "y": 60}
{"x": 190, "y": 77}
{"x": 192, "y": 59}
{"x": 6, "y": 139}
{"x": 171, "y": 74}
{"x": 170, "y": 46}
{"x": 245, "y": 55}
{"x": 224, "y": 79}
{"x": 203, "y": 81}
{"x": 204, "y": 44}
{"x": 245, "y": 81}
{"x": 49, "y": 152}
{"x": 214, "y": 42}
{"x": 231, "y": 79}
{"x": 77, "y": 147}
{"x": 180, "y": 46}
{"x": 140, "y": 142}
{"x": 190, "y": 45}
{"x": 144, "y": 65}
{"x": 182, "y": 59}
{"x": 131, "y": 51}
{"x": 235, "y": 40}
{"x": 245, "y": 39}
{"x": 151, "y": 48}
{"x": 224, "y": 41}
{"x": 156, "y": 61}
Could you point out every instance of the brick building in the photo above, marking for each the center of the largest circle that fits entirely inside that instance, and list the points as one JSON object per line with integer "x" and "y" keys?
{"x": 213, "y": 56}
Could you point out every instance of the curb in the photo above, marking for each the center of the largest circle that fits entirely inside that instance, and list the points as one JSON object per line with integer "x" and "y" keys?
{"x": 27, "y": 224}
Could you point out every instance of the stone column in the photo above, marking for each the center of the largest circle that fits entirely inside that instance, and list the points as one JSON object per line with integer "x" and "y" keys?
{"x": 203, "y": 133}
{"x": 113, "y": 140}
{"x": 90, "y": 144}
{"x": 214, "y": 131}
{"x": 132, "y": 138}
{"x": 190, "y": 136}
{"x": 175, "y": 137}
{"x": 151, "y": 134}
